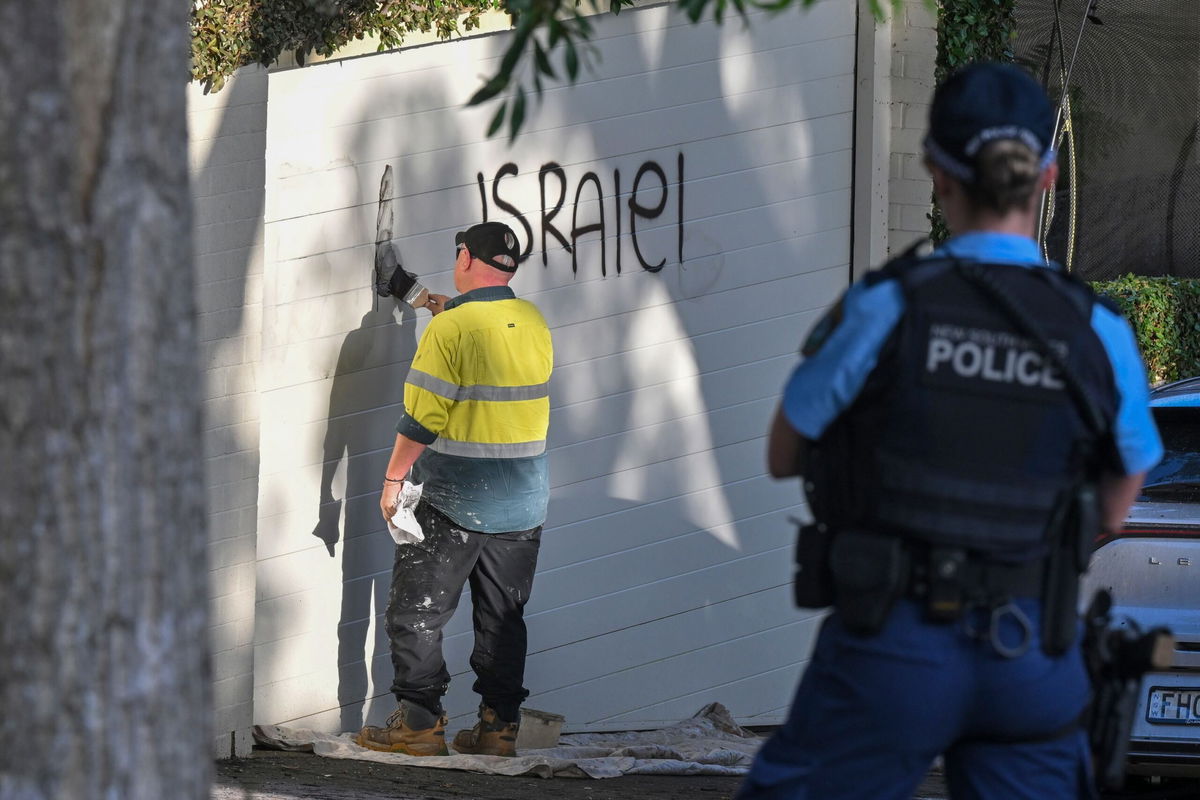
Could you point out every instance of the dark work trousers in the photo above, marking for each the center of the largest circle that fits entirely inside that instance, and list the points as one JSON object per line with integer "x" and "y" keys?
{"x": 427, "y": 582}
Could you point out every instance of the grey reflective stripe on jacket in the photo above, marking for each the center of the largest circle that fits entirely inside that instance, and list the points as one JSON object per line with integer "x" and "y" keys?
{"x": 457, "y": 393}
{"x": 450, "y": 447}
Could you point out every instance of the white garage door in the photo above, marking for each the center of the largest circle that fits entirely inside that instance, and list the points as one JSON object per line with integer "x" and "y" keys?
{"x": 686, "y": 208}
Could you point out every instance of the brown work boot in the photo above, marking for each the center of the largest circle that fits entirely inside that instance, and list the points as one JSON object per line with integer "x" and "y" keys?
{"x": 491, "y": 736}
{"x": 411, "y": 729}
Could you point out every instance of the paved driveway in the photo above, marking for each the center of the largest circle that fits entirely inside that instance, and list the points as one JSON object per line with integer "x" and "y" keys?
{"x": 275, "y": 775}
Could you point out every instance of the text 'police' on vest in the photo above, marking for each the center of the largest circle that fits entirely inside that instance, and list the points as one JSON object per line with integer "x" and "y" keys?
{"x": 989, "y": 355}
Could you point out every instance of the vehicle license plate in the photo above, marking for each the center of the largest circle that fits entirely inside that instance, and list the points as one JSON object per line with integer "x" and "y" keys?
{"x": 1173, "y": 706}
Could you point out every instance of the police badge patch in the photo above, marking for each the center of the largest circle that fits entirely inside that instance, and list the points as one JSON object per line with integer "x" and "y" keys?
{"x": 821, "y": 332}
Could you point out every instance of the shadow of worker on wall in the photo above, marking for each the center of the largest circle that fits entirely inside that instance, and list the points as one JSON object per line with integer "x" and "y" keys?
{"x": 363, "y": 405}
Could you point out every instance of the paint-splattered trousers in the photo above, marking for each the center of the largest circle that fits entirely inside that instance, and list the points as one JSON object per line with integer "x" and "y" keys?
{"x": 427, "y": 583}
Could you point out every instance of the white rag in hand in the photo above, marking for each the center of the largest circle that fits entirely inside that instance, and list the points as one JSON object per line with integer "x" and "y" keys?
{"x": 403, "y": 525}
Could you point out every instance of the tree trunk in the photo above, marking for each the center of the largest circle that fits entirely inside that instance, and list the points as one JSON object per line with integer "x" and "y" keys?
{"x": 104, "y": 675}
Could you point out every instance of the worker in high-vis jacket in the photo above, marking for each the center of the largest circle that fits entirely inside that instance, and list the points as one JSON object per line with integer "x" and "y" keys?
{"x": 473, "y": 436}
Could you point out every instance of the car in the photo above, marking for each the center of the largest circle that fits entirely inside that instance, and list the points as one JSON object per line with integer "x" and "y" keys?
{"x": 1152, "y": 569}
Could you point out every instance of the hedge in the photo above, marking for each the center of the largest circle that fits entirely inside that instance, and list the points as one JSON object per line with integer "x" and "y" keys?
{"x": 228, "y": 34}
{"x": 1165, "y": 315}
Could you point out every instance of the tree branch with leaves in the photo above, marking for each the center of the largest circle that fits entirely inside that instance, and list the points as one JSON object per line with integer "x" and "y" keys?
{"x": 550, "y": 38}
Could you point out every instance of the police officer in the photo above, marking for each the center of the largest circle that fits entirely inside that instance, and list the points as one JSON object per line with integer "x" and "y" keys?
{"x": 956, "y": 418}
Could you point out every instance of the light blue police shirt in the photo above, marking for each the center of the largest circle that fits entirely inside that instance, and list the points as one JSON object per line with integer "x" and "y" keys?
{"x": 828, "y": 381}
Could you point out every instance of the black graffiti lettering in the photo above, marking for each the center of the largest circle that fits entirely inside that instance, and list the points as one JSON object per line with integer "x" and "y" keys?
{"x": 591, "y": 181}
{"x": 482, "y": 195}
{"x": 551, "y": 168}
{"x": 578, "y": 230}
{"x": 679, "y": 203}
{"x": 636, "y": 210}
{"x": 511, "y": 169}
{"x": 617, "y": 213}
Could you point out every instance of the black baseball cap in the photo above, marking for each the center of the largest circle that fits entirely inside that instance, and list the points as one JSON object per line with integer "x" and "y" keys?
{"x": 492, "y": 243}
{"x": 982, "y": 103}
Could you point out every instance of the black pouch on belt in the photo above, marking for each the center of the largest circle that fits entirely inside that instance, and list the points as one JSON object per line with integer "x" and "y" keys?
{"x": 870, "y": 571}
{"x": 812, "y": 585}
{"x": 1070, "y": 548}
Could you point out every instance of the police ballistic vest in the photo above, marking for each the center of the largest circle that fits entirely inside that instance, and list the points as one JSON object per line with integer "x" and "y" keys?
{"x": 965, "y": 433}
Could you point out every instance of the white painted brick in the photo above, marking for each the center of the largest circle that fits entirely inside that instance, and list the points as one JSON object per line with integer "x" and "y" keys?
{"x": 921, "y": 14}
{"x": 242, "y": 378}
{"x": 909, "y": 192}
{"x": 907, "y": 140}
{"x": 232, "y": 438}
{"x": 233, "y": 605}
{"x": 907, "y": 90}
{"x": 253, "y": 288}
{"x": 230, "y": 662}
{"x": 214, "y": 383}
{"x": 227, "y": 178}
{"x": 235, "y": 466}
{"x": 214, "y": 122}
{"x": 219, "y": 324}
{"x": 235, "y": 635}
{"x": 915, "y": 116}
{"x": 253, "y": 345}
{"x": 243, "y": 742}
{"x": 228, "y": 207}
{"x": 228, "y": 690}
{"x": 913, "y": 169}
{"x": 236, "y": 743}
{"x": 913, "y": 218}
{"x": 905, "y": 239}
{"x": 231, "y": 634}
{"x": 246, "y": 86}
{"x": 230, "y": 496}
{"x": 921, "y": 66}
{"x": 916, "y": 40}
{"x": 220, "y": 295}
{"x": 213, "y": 354}
{"x": 228, "y": 235}
{"x": 229, "y": 524}
{"x": 222, "y": 743}
{"x": 236, "y": 262}
{"x": 897, "y": 115}
{"x": 231, "y": 409}
{"x": 229, "y": 149}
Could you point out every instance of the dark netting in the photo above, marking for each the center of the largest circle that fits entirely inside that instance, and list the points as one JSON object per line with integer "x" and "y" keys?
{"x": 1129, "y": 196}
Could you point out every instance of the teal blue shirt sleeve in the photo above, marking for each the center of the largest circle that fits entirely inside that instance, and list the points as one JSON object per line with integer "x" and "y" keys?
{"x": 1134, "y": 434}
{"x": 410, "y": 428}
{"x": 829, "y": 380}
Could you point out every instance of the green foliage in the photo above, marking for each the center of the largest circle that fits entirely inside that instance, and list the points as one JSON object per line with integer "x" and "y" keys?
{"x": 970, "y": 31}
{"x": 229, "y": 34}
{"x": 974, "y": 30}
{"x": 547, "y": 25}
{"x": 1165, "y": 315}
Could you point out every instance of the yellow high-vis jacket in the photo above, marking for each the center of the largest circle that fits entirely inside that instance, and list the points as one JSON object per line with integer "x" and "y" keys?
{"x": 478, "y": 394}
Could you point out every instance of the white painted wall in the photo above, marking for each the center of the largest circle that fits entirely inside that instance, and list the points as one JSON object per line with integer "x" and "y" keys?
{"x": 657, "y": 408}
{"x": 228, "y": 134}
{"x": 914, "y": 55}
{"x": 663, "y": 582}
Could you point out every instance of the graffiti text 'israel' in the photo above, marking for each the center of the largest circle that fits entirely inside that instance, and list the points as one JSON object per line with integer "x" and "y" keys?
{"x": 648, "y": 198}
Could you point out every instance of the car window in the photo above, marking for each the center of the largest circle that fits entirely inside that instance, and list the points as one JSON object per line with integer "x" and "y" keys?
{"x": 1177, "y": 476}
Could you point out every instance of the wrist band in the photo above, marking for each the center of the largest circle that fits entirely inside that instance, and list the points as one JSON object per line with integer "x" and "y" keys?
{"x": 386, "y": 479}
